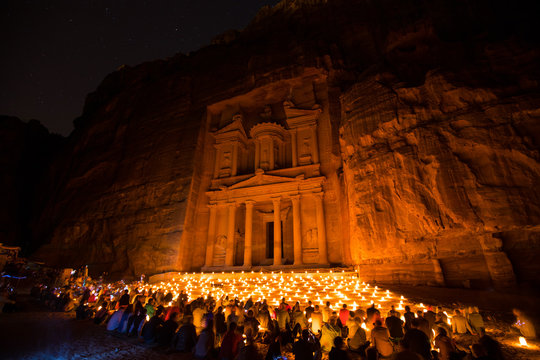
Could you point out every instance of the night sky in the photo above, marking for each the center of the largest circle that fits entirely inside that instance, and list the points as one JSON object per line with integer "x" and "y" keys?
{"x": 54, "y": 52}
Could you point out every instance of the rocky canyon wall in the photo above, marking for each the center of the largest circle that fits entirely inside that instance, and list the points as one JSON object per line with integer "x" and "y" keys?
{"x": 431, "y": 132}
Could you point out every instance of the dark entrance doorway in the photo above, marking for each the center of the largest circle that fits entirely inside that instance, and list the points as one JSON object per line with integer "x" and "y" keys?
{"x": 270, "y": 239}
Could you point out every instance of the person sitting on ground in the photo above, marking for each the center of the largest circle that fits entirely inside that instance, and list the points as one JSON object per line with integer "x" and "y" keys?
{"x": 230, "y": 344}
{"x": 186, "y": 337}
{"x": 460, "y": 325}
{"x": 380, "y": 338}
{"x": 492, "y": 346}
{"x": 344, "y": 315}
{"x": 150, "y": 309}
{"x": 479, "y": 353}
{"x": 417, "y": 341}
{"x": 205, "y": 343}
{"x": 423, "y": 324}
{"x": 232, "y": 318}
{"x": 475, "y": 319}
{"x": 274, "y": 350}
{"x": 128, "y": 313}
{"x": 165, "y": 333}
{"x": 101, "y": 314}
{"x": 149, "y": 329}
{"x": 444, "y": 344}
{"x": 282, "y": 317}
{"x": 316, "y": 320}
{"x": 329, "y": 332}
{"x": 299, "y": 321}
{"x": 372, "y": 314}
{"x": 357, "y": 337}
{"x": 430, "y": 316}
{"x": 303, "y": 349}
{"x": 440, "y": 323}
{"x": 409, "y": 317}
{"x": 524, "y": 324}
{"x": 338, "y": 351}
{"x": 124, "y": 299}
{"x": 219, "y": 324}
{"x": 198, "y": 317}
{"x": 136, "y": 321}
{"x": 395, "y": 327}
{"x": 309, "y": 309}
{"x": 327, "y": 312}
{"x": 251, "y": 325}
{"x": 249, "y": 350}
{"x": 114, "y": 320}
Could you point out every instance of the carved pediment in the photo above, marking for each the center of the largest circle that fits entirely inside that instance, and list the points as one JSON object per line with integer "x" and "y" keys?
{"x": 301, "y": 117}
{"x": 260, "y": 179}
{"x": 232, "y": 131}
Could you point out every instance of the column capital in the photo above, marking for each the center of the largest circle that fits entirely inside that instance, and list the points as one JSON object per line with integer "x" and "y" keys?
{"x": 212, "y": 205}
{"x": 231, "y": 204}
{"x": 249, "y": 202}
{"x": 295, "y": 198}
{"x": 276, "y": 200}
{"x": 318, "y": 194}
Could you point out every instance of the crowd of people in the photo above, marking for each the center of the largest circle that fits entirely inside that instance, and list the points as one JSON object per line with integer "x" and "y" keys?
{"x": 227, "y": 328}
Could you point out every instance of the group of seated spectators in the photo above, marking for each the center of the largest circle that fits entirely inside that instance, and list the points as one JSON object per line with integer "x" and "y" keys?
{"x": 232, "y": 329}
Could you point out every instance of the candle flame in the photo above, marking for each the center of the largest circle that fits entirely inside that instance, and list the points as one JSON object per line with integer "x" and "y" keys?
{"x": 522, "y": 341}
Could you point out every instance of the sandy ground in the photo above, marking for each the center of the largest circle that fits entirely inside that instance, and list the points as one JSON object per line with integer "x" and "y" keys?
{"x": 39, "y": 334}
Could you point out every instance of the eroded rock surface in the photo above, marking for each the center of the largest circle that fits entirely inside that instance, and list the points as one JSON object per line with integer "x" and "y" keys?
{"x": 432, "y": 111}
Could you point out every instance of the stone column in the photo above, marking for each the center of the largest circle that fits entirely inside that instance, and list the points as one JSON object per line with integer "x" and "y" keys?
{"x": 294, "y": 147}
{"x": 234, "y": 166}
{"x": 211, "y": 236}
{"x": 217, "y": 162}
{"x": 321, "y": 228}
{"x": 297, "y": 230}
{"x": 249, "y": 232}
{"x": 257, "y": 155}
{"x": 277, "y": 231}
{"x": 229, "y": 250}
{"x": 315, "y": 154}
{"x": 271, "y": 155}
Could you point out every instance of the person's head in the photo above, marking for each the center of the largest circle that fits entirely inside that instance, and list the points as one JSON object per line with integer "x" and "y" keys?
{"x": 378, "y": 322}
{"x": 442, "y": 331}
{"x": 419, "y": 313}
{"x": 250, "y": 313}
{"x": 305, "y": 334}
{"x": 173, "y": 316}
{"x": 333, "y": 320}
{"x": 478, "y": 351}
{"x": 338, "y": 342}
{"x": 344, "y": 306}
{"x": 151, "y": 301}
{"x": 316, "y": 307}
{"x": 439, "y": 309}
{"x": 309, "y": 303}
{"x": 232, "y": 326}
{"x": 209, "y": 324}
{"x": 372, "y": 353}
{"x": 328, "y": 303}
{"x": 438, "y": 317}
{"x": 351, "y": 314}
{"x": 126, "y": 291}
{"x": 407, "y": 308}
{"x": 457, "y": 312}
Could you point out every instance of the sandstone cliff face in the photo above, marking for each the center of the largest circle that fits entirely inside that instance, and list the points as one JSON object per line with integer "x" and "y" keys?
{"x": 432, "y": 114}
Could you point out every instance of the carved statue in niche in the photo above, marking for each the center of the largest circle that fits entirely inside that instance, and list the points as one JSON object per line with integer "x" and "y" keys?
{"x": 267, "y": 113}
{"x": 311, "y": 239}
{"x": 226, "y": 165}
{"x": 219, "y": 250}
{"x": 305, "y": 153}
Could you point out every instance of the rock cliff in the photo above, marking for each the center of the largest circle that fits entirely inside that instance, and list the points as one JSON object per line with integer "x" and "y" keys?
{"x": 433, "y": 113}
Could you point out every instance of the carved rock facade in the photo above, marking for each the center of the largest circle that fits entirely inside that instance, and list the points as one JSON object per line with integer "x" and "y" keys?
{"x": 377, "y": 137}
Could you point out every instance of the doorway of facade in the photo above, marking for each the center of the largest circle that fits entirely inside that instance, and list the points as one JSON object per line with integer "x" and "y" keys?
{"x": 270, "y": 239}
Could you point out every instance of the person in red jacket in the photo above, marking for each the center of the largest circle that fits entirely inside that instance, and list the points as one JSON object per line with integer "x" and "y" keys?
{"x": 230, "y": 345}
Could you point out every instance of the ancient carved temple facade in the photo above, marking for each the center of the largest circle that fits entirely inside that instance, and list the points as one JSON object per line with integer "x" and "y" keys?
{"x": 266, "y": 196}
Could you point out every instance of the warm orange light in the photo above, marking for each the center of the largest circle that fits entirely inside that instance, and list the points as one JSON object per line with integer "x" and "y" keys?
{"x": 522, "y": 341}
